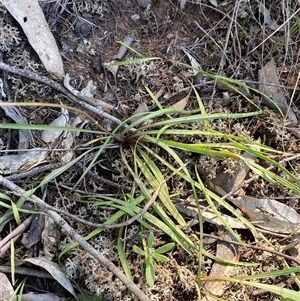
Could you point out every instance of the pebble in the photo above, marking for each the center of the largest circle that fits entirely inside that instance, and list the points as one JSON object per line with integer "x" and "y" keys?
{"x": 135, "y": 17}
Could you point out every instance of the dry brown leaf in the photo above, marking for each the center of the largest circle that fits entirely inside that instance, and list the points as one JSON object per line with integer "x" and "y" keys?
{"x": 6, "y": 289}
{"x": 142, "y": 108}
{"x": 50, "y": 237}
{"x": 269, "y": 214}
{"x": 41, "y": 297}
{"x": 20, "y": 163}
{"x": 25, "y": 136}
{"x": 224, "y": 183}
{"x": 193, "y": 61}
{"x": 295, "y": 132}
{"x": 32, "y": 20}
{"x": 181, "y": 104}
{"x": 50, "y": 136}
{"x": 225, "y": 251}
{"x": 56, "y": 272}
{"x": 34, "y": 234}
{"x": 271, "y": 87}
{"x": 189, "y": 208}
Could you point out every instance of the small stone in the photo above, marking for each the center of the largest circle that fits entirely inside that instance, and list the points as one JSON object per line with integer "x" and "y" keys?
{"x": 135, "y": 17}
{"x": 83, "y": 28}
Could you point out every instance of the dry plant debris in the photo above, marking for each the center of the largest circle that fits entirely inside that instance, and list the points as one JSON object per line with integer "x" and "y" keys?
{"x": 115, "y": 62}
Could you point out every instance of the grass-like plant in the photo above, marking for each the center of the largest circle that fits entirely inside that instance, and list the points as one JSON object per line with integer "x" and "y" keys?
{"x": 152, "y": 148}
{"x": 150, "y": 253}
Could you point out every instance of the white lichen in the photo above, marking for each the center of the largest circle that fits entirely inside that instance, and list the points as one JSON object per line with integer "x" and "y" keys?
{"x": 93, "y": 7}
{"x": 9, "y": 36}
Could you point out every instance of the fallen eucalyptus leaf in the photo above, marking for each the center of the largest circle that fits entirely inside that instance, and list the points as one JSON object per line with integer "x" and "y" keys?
{"x": 23, "y": 162}
{"x": 189, "y": 208}
{"x": 42, "y": 297}
{"x": 193, "y": 61}
{"x": 269, "y": 214}
{"x": 226, "y": 251}
{"x": 6, "y": 289}
{"x": 267, "y": 17}
{"x": 214, "y": 3}
{"x": 62, "y": 120}
{"x": 181, "y": 104}
{"x": 69, "y": 138}
{"x": 33, "y": 236}
{"x": 142, "y": 108}
{"x": 271, "y": 87}
{"x": 113, "y": 69}
{"x": 25, "y": 136}
{"x": 32, "y": 20}
{"x": 55, "y": 271}
{"x": 87, "y": 94}
{"x": 50, "y": 237}
{"x": 224, "y": 183}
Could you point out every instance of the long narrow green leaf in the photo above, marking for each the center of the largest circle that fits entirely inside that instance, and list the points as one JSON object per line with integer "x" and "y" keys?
{"x": 19, "y": 290}
{"x": 210, "y": 133}
{"x": 15, "y": 212}
{"x": 215, "y": 197}
{"x": 111, "y": 220}
{"x": 12, "y": 262}
{"x": 123, "y": 259}
{"x": 206, "y": 194}
{"x": 166, "y": 225}
{"x": 154, "y": 179}
{"x": 133, "y": 61}
{"x": 200, "y": 118}
{"x": 281, "y": 291}
{"x": 200, "y": 149}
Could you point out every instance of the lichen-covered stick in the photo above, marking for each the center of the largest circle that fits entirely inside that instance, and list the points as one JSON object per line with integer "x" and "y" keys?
{"x": 84, "y": 244}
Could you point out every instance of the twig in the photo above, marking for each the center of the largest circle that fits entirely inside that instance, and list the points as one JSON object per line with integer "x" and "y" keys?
{"x": 106, "y": 226}
{"x": 255, "y": 248}
{"x": 60, "y": 88}
{"x": 275, "y": 31}
{"x": 33, "y": 171}
{"x": 85, "y": 245}
{"x": 14, "y": 235}
{"x": 100, "y": 179}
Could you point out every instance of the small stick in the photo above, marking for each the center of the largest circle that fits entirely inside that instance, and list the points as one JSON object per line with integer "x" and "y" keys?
{"x": 59, "y": 88}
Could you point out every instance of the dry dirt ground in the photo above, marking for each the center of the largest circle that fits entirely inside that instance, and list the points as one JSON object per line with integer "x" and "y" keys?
{"x": 229, "y": 38}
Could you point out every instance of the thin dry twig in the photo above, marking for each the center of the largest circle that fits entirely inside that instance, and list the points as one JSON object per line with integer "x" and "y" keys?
{"x": 296, "y": 260}
{"x": 84, "y": 244}
{"x": 59, "y": 88}
{"x": 275, "y": 31}
{"x": 14, "y": 235}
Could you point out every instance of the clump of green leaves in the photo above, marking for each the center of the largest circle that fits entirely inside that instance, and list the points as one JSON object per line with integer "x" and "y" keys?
{"x": 150, "y": 253}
